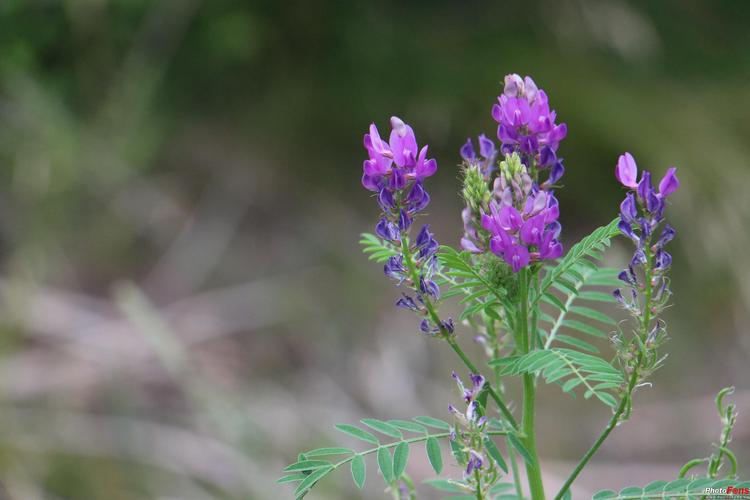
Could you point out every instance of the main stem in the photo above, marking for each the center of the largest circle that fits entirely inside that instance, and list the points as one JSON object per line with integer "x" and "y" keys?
{"x": 534, "y": 474}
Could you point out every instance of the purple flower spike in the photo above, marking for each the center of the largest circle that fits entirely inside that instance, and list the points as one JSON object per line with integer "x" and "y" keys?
{"x": 669, "y": 183}
{"x": 526, "y": 124}
{"x": 395, "y": 171}
{"x": 626, "y": 171}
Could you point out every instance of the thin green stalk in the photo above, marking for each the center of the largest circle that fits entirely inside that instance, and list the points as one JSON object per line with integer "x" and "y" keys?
{"x": 411, "y": 268}
{"x": 492, "y": 392}
{"x": 480, "y": 496}
{"x": 600, "y": 440}
{"x": 626, "y": 400}
{"x": 514, "y": 469}
{"x": 534, "y": 474}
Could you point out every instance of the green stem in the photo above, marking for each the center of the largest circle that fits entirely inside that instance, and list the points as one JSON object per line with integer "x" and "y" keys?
{"x": 488, "y": 387}
{"x": 534, "y": 474}
{"x": 406, "y": 478}
{"x": 448, "y": 336}
{"x": 605, "y": 433}
{"x": 627, "y": 397}
{"x": 514, "y": 469}
{"x": 478, "y": 478}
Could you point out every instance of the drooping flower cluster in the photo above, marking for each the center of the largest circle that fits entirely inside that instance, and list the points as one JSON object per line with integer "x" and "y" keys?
{"x": 526, "y": 125}
{"x": 641, "y": 215}
{"x": 523, "y": 218}
{"x": 469, "y": 433}
{"x": 395, "y": 170}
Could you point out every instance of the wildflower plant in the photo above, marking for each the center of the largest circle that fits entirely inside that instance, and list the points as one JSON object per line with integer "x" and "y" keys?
{"x": 525, "y": 300}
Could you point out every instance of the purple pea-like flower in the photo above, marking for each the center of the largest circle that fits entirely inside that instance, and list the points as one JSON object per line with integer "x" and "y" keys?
{"x": 626, "y": 171}
{"x": 628, "y": 209}
{"x": 476, "y": 460}
{"x": 669, "y": 183}
{"x": 395, "y": 170}
{"x": 641, "y": 214}
{"x": 394, "y": 164}
{"x": 521, "y": 237}
{"x": 486, "y": 158}
{"x": 526, "y": 124}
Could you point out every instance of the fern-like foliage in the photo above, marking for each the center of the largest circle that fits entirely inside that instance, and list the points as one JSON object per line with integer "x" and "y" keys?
{"x": 568, "y": 315}
{"x": 681, "y": 488}
{"x": 375, "y": 248}
{"x": 581, "y": 255}
{"x": 392, "y": 457}
{"x": 462, "y": 277}
{"x": 569, "y": 369}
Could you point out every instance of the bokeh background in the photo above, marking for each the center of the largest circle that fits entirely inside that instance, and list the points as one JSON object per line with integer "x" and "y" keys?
{"x": 183, "y": 302}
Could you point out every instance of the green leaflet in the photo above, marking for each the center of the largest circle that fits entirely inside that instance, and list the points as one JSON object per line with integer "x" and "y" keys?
{"x": 434, "y": 454}
{"x": 494, "y": 452}
{"x": 385, "y": 464}
{"x": 357, "y": 433}
{"x": 382, "y": 427}
{"x": 359, "y": 471}
{"x": 406, "y": 425}
{"x": 400, "y": 459}
{"x": 433, "y": 422}
{"x": 570, "y": 317}
{"x": 392, "y": 458}
{"x": 310, "y": 480}
{"x": 570, "y": 369}
{"x": 375, "y": 248}
{"x": 578, "y": 256}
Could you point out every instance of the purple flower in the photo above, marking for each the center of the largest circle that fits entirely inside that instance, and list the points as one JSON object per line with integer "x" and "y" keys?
{"x": 644, "y": 188}
{"x": 521, "y": 237}
{"x": 395, "y": 171}
{"x": 628, "y": 209}
{"x": 476, "y": 461}
{"x": 667, "y": 235}
{"x": 387, "y": 230}
{"x": 663, "y": 260}
{"x": 487, "y": 155}
{"x": 669, "y": 183}
{"x": 394, "y": 268}
{"x": 526, "y": 124}
{"x": 397, "y": 162}
{"x": 626, "y": 171}
{"x": 406, "y": 302}
{"x": 641, "y": 214}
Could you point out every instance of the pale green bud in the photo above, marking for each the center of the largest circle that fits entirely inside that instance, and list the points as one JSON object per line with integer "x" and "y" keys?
{"x": 512, "y": 166}
{"x": 475, "y": 192}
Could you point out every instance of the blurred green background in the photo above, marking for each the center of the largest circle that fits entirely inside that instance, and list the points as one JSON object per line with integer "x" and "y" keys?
{"x": 184, "y": 304}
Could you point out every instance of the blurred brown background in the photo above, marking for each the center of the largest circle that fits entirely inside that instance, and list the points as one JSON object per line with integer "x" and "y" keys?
{"x": 184, "y": 304}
